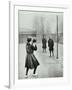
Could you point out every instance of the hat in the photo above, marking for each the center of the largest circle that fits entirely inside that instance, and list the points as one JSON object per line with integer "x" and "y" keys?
{"x": 28, "y": 39}
{"x": 34, "y": 40}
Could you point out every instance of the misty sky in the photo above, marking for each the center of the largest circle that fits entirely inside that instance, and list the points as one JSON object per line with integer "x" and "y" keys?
{"x": 27, "y": 20}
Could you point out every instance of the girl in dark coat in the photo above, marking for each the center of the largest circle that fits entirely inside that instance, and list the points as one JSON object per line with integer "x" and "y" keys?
{"x": 31, "y": 61}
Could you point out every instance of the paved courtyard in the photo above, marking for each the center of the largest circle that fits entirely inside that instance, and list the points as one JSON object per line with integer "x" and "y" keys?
{"x": 49, "y": 66}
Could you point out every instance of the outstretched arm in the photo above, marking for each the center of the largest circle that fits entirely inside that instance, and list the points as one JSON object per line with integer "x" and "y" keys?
{"x": 34, "y": 47}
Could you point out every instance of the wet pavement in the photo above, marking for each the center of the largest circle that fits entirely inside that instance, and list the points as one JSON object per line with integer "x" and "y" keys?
{"x": 49, "y": 66}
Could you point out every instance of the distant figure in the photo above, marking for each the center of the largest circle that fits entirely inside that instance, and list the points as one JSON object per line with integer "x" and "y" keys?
{"x": 44, "y": 41}
{"x": 51, "y": 46}
{"x": 31, "y": 61}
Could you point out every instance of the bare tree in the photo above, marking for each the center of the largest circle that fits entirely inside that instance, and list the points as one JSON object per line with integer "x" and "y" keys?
{"x": 42, "y": 26}
{"x": 48, "y": 28}
{"x": 36, "y": 23}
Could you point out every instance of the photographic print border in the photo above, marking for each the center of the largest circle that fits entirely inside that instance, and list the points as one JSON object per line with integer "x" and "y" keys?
{"x": 13, "y": 6}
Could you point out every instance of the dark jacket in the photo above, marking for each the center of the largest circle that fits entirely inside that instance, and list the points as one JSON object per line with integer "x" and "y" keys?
{"x": 50, "y": 44}
{"x": 28, "y": 48}
{"x": 33, "y": 48}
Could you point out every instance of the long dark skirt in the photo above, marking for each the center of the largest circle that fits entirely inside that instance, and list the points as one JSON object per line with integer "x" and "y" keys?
{"x": 31, "y": 61}
{"x": 44, "y": 46}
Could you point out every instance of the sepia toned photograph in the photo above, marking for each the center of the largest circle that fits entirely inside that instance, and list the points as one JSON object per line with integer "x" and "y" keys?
{"x": 40, "y": 44}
